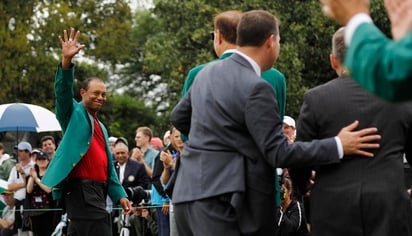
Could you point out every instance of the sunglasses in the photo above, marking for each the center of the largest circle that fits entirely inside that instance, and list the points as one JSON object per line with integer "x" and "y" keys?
{"x": 212, "y": 34}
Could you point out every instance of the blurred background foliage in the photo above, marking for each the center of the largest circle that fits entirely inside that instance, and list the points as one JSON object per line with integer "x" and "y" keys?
{"x": 144, "y": 49}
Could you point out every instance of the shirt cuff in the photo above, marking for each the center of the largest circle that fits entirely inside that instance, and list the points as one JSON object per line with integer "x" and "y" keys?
{"x": 339, "y": 146}
{"x": 353, "y": 24}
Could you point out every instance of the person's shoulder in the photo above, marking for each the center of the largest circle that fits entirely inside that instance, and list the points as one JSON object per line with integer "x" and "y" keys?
{"x": 152, "y": 152}
{"x": 273, "y": 72}
{"x": 134, "y": 163}
{"x": 9, "y": 162}
{"x": 195, "y": 70}
{"x": 328, "y": 86}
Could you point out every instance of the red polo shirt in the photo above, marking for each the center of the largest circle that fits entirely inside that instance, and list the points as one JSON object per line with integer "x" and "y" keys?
{"x": 93, "y": 164}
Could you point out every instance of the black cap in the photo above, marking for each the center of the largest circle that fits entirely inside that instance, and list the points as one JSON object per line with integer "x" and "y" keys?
{"x": 123, "y": 140}
{"x": 42, "y": 155}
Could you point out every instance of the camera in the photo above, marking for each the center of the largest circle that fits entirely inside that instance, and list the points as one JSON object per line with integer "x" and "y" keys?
{"x": 138, "y": 194}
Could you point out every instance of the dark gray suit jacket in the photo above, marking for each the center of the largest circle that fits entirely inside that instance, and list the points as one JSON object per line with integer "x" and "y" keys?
{"x": 236, "y": 141}
{"x": 360, "y": 196}
{"x": 134, "y": 174}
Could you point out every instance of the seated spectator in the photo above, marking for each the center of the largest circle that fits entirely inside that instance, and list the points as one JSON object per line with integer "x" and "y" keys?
{"x": 7, "y": 217}
{"x": 6, "y": 163}
{"x": 144, "y": 222}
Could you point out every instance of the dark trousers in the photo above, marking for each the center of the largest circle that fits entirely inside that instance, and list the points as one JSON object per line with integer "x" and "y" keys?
{"x": 18, "y": 218}
{"x": 7, "y": 232}
{"x": 211, "y": 216}
{"x": 90, "y": 227}
{"x": 42, "y": 225}
{"x": 163, "y": 223}
{"x": 85, "y": 202}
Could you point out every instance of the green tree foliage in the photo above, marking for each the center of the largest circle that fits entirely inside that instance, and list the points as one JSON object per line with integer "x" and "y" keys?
{"x": 184, "y": 41}
{"x": 123, "y": 114}
{"x": 30, "y": 50}
{"x": 148, "y": 54}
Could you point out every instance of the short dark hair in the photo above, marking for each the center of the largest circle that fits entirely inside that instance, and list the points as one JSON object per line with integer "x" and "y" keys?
{"x": 86, "y": 82}
{"x": 47, "y": 137}
{"x": 227, "y": 22}
{"x": 338, "y": 45}
{"x": 255, "y": 27}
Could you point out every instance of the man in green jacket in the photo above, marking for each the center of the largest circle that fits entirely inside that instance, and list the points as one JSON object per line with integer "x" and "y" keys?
{"x": 379, "y": 64}
{"x": 82, "y": 163}
{"x": 224, "y": 42}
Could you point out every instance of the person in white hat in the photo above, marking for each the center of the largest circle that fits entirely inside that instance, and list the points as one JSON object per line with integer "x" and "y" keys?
{"x": 289, "y": 128}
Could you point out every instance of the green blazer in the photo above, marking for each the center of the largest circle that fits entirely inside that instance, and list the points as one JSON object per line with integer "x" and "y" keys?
{"x": 380, "y": 65}
{"x": 77, "y": 126}
{"x": 274, "y": 77}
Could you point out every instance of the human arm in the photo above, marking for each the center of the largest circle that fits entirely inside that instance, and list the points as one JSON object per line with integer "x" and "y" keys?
{"x": 151, "y": 222}
{"x": 165, "y": 175}
{"x": 5, "y": 224}
{"x": 343, "y": 10}
{"x": 181, "y": 114}
{"x": 63, "y": 86}
{"x": 126, "y": 205}
{"x": 13, "y": 183}
{"x": 34, "y": 179}
{"x": 156, "y": 178}
{"x": 69, "y": 47}
{"x": 168, "y": 163}
{"x": 380, "y": 65}
{"x": 265, "y": 126}
{"x": 138, "y": 155}
{"x": 400, "y": 15}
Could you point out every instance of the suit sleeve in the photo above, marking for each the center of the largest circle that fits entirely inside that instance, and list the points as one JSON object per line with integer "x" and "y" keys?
{"x": 143, "y": 179}
{"x": 181, "y": 115}
{"x": 308, "y": 128}
{"x": 380, "y": 65}
{"x": 157, "y": 173}
{"x": 264, "y": 124}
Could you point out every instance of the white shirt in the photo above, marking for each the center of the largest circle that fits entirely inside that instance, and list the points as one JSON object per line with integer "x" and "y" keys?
{"x": 17, "y": 179}
{"x": 8, "y": 214}
{"x": 353, "y": 24}
{"x": 121, "y": 172}
{"x": 4, "y": 157}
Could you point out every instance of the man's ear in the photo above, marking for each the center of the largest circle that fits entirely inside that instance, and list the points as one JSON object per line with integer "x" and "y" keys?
{"x": 219, "y": 36}
{"x": 270, "y": 41}
{"x": 82, "y": 91}
{"x": 333, "y": 62}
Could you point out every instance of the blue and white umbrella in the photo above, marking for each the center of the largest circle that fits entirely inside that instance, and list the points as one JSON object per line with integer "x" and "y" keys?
{"x": 27, "y": 117}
